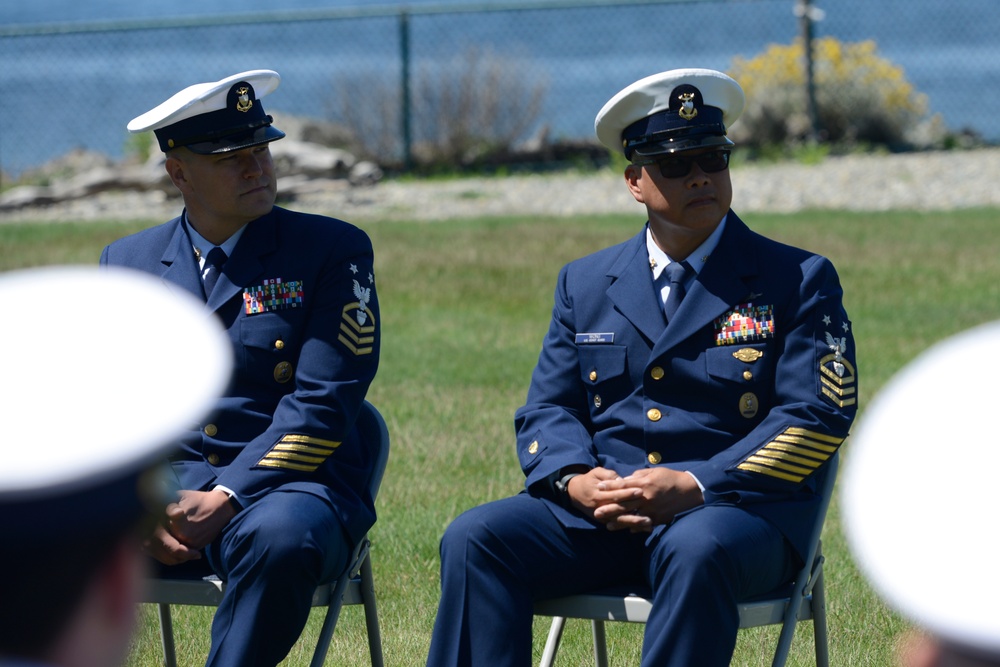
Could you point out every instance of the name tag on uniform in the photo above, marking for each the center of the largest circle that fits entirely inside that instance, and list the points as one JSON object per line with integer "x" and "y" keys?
{"x": 595, "y": 338}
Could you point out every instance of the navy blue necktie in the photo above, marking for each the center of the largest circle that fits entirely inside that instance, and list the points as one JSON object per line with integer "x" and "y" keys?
{"x": 676, "y": 273}
{"x": 213, "y": 267}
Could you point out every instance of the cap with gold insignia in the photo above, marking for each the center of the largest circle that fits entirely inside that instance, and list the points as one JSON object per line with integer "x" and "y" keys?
{"x": 215, "y": 117}
{"x": 672, "y": 111}
{"x": 919, "y": 498}
{"x": 104, "y": 371}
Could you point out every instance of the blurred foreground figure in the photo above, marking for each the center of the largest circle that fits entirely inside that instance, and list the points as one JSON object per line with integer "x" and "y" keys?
{"x": 920, "y": 506}
{"x": 95, "y": 393}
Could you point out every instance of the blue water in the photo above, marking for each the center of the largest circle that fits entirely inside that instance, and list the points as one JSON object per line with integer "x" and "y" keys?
{"x": 67, "y": 91}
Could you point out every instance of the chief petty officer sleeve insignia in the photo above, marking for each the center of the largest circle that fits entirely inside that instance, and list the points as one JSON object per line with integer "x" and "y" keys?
{"x": 357, "y": 322}
{"x": 836, "y": 372}
{"x": 303, "y": 453}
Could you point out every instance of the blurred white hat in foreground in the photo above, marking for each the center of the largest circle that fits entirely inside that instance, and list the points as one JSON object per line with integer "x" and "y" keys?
{"x": 104, "y": 370}
{"x": 920, "y": 505}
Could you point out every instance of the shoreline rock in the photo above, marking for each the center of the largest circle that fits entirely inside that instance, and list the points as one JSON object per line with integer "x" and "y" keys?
{"x": 927, "y": 181}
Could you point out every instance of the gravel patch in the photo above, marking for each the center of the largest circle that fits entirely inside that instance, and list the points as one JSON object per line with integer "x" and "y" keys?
{"x": 930, "y": 181}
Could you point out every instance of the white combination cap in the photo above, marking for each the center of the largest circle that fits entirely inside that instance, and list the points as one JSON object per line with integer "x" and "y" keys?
{"x": 105, "y": 370}
{"x": 214, "y": 117}
{"x": 920, "y": 506}
{"x": 669, "y": 112}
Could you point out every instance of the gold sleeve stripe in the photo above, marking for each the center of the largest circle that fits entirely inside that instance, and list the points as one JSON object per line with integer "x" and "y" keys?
{"x": 779, "y": 464}
{"x": 837, "y": 400}
{"x": 267, "y": 463}
{"x": 805, "y": 443}
{"x": 800, "y": 451}
{"x": 299, "y": 452}
{"x": 813, "y": 435}
{"x": 793, "y": 455}
{"x": 308, "y": 440}
{"x": 771, "y": 473}
{"x": 809, "y": 463}
{"x": 293, "y": 456}
{"x": 302, "y": 451}
{"x": 360, "y": 340}
{"x": 354, "y": 348}
{"x": 837, "y": 389}
{"x": 355, "y": 337}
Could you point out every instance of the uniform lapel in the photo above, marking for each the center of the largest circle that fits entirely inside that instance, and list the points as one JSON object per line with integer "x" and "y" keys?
{"x": 721, "y": 284}
{"x": 180, "y": 266}
{"x": 632, "y": 290}
{"x": 245, "y": 264}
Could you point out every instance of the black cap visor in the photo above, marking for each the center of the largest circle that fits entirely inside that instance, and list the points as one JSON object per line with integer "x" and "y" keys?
{"x": 235, "y": 142}
{"x": 676, "y": 144}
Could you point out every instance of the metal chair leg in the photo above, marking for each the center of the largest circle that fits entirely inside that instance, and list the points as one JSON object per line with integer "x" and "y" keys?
{"x": 167, "y": 636}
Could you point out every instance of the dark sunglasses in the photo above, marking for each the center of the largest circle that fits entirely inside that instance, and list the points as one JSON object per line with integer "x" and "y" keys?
{"x": 677, "y": 166}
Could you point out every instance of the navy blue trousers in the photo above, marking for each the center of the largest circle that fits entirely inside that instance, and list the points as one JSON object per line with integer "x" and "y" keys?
{"x": 497, "y": 559}
{"x": 272, "y": 555}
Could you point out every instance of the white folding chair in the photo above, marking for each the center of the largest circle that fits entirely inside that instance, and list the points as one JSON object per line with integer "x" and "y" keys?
{"x": 801, "y": 600}
{"x": 356, "y": 586}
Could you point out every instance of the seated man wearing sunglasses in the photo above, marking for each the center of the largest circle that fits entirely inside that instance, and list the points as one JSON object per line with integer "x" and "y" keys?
{"x": 692, "y": 386}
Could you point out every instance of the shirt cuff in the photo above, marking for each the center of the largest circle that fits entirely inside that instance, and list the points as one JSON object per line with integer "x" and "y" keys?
{"x": 697, "y": 481}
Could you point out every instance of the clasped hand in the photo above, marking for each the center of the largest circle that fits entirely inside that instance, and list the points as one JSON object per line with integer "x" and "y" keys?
{"x": 189, "y": 525}
{"x": 648, "y": 497}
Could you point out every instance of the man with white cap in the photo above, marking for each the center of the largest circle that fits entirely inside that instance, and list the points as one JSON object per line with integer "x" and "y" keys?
{"x": 931, "y": 552}
{"x": 273, "y": 486}
{"x": 89, "y": 418}
{"x": 692, "y": 386}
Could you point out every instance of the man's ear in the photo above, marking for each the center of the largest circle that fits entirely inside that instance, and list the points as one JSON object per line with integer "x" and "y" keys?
{"x": 175, "y": 170}
{"x": 633, "y": 174}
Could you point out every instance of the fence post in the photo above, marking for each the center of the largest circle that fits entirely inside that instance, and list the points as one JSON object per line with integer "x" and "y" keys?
{"x": 404, "y": 92}
{"x": 807, "y": 15}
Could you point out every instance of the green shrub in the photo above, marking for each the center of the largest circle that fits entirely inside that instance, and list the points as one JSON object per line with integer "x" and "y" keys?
{"x": 862, "y": 99}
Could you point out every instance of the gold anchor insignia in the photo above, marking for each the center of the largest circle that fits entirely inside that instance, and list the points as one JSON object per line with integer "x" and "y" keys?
{"x": 687, "y": 110}
{"x": 243, "y": 101}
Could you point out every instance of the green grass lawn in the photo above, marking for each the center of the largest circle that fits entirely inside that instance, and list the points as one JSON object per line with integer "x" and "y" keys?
{"x": 465, "y": 305}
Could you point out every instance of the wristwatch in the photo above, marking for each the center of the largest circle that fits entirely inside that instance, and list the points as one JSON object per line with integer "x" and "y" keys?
{"x": 562, "y": 488}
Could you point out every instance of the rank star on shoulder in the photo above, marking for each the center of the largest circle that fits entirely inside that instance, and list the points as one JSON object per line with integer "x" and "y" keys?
{"x": 354, "y": 269}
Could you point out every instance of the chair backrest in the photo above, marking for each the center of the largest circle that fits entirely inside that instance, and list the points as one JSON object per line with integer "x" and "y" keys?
{"x": 825, "y": 491}
{"x": 374, "y": 432}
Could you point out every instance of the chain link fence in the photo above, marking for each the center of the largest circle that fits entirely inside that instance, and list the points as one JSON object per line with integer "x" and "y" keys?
{"x": 398, "y": 80}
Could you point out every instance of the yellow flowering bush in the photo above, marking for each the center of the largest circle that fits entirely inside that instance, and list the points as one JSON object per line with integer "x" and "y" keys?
{"x": 861, "y": 98}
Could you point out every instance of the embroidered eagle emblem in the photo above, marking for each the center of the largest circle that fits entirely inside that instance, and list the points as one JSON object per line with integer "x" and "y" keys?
{"x": 838, "y": 346}
{"x": 364, "y": 295}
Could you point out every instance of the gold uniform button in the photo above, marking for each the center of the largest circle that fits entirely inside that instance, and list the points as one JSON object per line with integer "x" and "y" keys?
{"x": 654, "y": 457}
{"x": 747, "y": 375}
{"x": 533, "y": 447}
{"x": 214, "y": 459}
{"x": 656, "y": 373}
{"x": 654, "y": 415}
{"x": 211, "y": 430}
{"x": 279, "y": 344}
{"x": 593, "y": 376}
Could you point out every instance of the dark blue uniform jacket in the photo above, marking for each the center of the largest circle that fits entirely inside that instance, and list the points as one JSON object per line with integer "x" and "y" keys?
{"x": 297, "y": 298}
{"x": 752, "y": 387}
